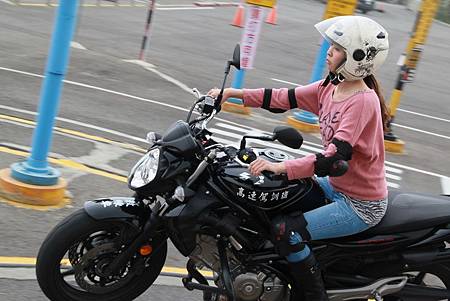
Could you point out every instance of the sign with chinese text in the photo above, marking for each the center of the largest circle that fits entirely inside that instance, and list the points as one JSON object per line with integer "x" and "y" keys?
{"x": 250, "y": 36}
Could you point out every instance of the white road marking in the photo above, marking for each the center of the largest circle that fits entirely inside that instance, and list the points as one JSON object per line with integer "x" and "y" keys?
{"x": 77, "y": 45}
{"x": 392, "y": 169}
{"x": 415, "y": 169}
{"x": 421, "y": 131}
{"x": 402, "y": 110}
{"x": 445, "y": 184}
{"x": 181, "y": 109}
{"x": 117, "y": 93}
{"x": 393, "y": 185}
{"x": 83, "y": 124}
{"x": 170, "y": 79}
{"x": 423, "y": 115}
{"x": 185, "y": 8}
{"x": 140, "y": 63}
{"x": 7, "y": 2}
{"x": 284, "y": 82}
{"x": 393, "y": 177}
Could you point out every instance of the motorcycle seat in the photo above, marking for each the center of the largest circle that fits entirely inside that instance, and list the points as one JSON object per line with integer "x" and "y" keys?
{"x": 412, "y": 211}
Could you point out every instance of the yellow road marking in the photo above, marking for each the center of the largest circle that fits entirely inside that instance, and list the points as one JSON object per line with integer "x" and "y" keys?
{"x": 64, "y": 162}
{"x": 82, "y": 5}
{"x": 68, "y": 163}
{"x": 32, "y": 261}
{"x": 76, "y": 133}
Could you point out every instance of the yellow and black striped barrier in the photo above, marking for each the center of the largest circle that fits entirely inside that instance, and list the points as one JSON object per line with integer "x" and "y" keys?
{"x": 408, "y": 63}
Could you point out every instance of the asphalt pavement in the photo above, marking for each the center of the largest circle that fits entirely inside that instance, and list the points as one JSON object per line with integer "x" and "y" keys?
{"x": 109, "y": 101}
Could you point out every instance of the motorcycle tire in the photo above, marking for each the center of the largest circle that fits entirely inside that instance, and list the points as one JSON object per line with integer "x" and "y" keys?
{"x": 70, "y": 231}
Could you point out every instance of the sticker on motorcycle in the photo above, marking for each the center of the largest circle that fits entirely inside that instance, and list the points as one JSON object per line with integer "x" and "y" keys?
{"x": 119, "y": 203}
{"x": 262, "y": 197}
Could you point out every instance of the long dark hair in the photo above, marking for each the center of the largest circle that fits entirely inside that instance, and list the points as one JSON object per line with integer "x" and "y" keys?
{"x": 372, "y": 83}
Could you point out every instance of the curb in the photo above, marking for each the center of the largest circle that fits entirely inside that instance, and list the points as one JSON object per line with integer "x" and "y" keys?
{"x": 19, "y": 192}
{"x": 395, "y": 147}
{"x": 236, "y": 108}
{"x": 303, "y": 126}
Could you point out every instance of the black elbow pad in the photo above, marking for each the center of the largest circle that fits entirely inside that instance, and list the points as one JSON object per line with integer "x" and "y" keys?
{"x": 268, "y": 97}
{"x": 324, "y": 165}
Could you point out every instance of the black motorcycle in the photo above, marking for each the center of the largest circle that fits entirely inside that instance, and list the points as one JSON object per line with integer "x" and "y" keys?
{"x": 200, "y": 194}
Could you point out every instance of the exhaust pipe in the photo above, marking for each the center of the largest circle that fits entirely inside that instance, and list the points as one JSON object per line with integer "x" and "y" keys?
{"x": 376, "y": 290}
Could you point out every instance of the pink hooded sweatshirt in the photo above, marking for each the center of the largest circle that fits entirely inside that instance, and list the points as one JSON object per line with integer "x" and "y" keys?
{"x": 356, "y": 120}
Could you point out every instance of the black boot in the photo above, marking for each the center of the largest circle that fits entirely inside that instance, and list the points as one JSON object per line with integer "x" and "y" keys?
{"x": 308, "y": 276}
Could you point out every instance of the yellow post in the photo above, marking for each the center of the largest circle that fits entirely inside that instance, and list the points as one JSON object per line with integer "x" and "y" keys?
{"x": 303, "y": 120}
{"x": 414, "y": 49}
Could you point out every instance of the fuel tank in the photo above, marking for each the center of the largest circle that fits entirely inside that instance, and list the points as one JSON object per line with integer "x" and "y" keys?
{"x": 270, "y": 192}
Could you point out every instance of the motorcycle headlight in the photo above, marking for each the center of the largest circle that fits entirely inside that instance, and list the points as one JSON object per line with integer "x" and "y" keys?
{"x": 145, "y": 169}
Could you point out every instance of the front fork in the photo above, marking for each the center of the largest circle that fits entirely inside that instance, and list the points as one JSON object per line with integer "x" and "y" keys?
{"x": 148, "y": 231}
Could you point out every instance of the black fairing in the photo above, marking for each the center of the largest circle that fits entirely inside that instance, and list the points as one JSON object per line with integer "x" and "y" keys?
{"x": 118, "y": 208}
{"x": 182, "y": 220}
{"x": 178, "y": 139}
{"x": 274, "y": 193}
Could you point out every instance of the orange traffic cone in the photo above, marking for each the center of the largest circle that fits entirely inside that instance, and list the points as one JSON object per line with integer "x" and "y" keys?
{"x": 380, "y": 7}
{"x": 272, "y": 17}
{"x": 238, "y": 19}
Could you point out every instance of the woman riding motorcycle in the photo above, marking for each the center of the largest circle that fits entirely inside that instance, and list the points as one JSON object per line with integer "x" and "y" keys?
{"x": 352, "y": 116}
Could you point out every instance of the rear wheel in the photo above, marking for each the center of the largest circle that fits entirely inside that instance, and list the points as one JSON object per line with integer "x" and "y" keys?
{"x": 72, "y": 260}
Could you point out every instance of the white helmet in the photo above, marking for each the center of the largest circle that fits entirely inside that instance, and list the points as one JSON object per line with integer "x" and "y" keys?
{"x": 365, "y": 43}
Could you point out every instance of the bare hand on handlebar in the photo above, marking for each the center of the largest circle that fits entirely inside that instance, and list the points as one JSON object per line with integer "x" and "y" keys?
{"x": 260, "y": 165}
{"x": 227, "y": 93}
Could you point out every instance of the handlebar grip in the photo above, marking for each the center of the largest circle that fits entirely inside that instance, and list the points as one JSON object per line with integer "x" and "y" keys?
{"x": 338, "y": 168}
{"x": 274, "y": 177}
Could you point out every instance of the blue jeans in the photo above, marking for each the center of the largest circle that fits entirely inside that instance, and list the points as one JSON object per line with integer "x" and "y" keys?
{"x": 332, "y": 220}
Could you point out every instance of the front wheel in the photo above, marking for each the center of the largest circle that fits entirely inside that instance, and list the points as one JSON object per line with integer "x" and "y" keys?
{"x": 72, "y": 259}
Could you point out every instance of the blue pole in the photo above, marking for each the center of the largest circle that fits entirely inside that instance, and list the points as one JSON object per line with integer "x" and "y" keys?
{"x": 35, "y": 170}
{"x": 317, "y": 74}
{"x": 319, "y": 65}
{"x": 238, "y": 82}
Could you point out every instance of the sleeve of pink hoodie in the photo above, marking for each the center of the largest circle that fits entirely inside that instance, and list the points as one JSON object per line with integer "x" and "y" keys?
{"x": 307, "y": 98}
{"x": 304, "y": 167}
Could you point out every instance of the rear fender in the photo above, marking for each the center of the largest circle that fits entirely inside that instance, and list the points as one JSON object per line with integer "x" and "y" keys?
{"x": 118, "y": 208}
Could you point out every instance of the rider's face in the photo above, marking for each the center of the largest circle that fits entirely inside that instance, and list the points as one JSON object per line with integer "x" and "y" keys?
{"x": 335, "y": 56}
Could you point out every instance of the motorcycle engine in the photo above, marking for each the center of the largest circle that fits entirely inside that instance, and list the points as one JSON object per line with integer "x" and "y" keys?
{"x": 248, "y": 285}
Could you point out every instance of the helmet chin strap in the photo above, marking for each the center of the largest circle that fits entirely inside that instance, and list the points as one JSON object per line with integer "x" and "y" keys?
{"x": 334, "y": 78}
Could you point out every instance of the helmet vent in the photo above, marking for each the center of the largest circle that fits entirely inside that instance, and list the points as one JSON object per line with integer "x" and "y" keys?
{"x": 381, "y": 35}
{"x": 359, "y": 55}
{"x": 338, "y": 33}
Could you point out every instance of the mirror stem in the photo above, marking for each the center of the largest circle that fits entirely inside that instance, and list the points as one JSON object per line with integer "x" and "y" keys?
{"x": 264, "y": 138}
{"x": 220, "y": 96}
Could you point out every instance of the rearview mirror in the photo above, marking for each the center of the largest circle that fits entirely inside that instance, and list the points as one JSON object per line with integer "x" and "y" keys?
{"x": 288, "y": 136}
{"x": 236, "y": 62}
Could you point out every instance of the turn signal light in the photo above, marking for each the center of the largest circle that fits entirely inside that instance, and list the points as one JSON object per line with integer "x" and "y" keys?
{"x": 146, "y": 250}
